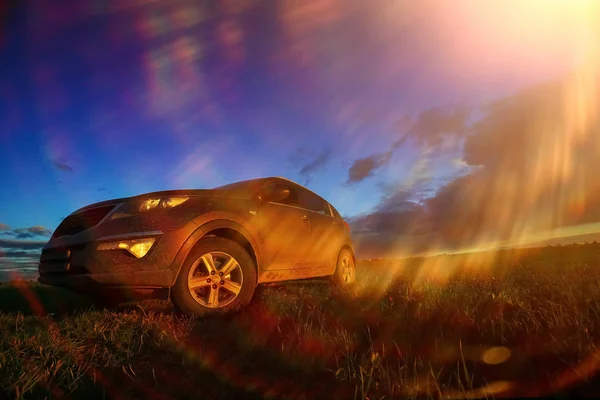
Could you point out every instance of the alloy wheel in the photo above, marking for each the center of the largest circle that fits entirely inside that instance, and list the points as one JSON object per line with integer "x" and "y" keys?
{"x": 347, "y": 269}
{"x": 215, "y": 279}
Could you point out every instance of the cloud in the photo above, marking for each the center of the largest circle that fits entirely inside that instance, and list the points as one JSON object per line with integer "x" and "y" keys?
{"x": 365, "y": 167}
{"x": 432, "y": 125}
{"x": 403, "y": 123}
{"x": 435, "y": 128}
{"x": 533, "y": 159}
{"x": 383, "y": 221}
{"x": 4, "y": 227}
{"x": 459, "y": 163}
{"x": 398, "y": 214}
{"x": 537, "y": 152}
{"x": 62, "y": 165}
{"x": 19, "y": 254}
{"x": 318, "y": 162}
{"x": 32, "y": 231}
{"x": 40, "y": 230}
{"x": 101, "y": 189}
{"x": 21, "y": 244}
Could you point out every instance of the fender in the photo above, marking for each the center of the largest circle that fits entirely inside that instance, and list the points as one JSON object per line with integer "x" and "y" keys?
{"x": 206, "y": 223}
{"x": 350, "y": 245}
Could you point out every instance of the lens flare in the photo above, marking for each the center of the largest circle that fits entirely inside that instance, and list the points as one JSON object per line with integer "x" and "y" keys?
{"x": 532, "y": 155}
{"x": 495, "y": 355}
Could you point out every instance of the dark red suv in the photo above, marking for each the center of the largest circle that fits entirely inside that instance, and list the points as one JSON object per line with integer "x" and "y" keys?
{"x": 208, "y": 248}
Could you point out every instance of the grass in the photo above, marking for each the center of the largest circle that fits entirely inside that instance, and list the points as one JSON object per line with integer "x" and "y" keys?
{"x": 517, "y": 323}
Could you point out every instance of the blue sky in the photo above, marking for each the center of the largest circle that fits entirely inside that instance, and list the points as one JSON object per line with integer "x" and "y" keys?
{"x": 107, "y": 99}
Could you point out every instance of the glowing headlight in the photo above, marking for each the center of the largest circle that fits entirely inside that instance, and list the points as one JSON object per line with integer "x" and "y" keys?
{"x": 165, "y": 202}
{"x": 137, "y": 247}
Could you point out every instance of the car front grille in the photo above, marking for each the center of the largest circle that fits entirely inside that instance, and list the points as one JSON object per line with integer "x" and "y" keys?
{"x": 58, "y": 261}
{"x": 82, "y": 220}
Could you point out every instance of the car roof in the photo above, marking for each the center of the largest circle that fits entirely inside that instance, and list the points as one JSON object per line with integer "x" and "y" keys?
{"x": 292, "y": 182}
{"x": 286, "y": 179}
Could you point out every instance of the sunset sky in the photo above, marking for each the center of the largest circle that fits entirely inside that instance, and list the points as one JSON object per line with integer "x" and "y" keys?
{"x": 429, "y": 125}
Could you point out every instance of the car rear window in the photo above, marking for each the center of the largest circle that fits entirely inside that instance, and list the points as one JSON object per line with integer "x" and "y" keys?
{"x": 336, "y": 214}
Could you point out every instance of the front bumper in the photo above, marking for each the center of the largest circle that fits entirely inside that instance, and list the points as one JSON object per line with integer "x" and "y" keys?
{"x": 75, "y": 262}
{"x": 139, "y": 279}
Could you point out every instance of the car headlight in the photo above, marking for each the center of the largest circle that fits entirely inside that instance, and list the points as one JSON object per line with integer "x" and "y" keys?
{"x": 165, "y": 202}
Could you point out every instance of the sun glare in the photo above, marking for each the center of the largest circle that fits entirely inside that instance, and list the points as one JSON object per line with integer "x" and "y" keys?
{"x": 543, "y": 187}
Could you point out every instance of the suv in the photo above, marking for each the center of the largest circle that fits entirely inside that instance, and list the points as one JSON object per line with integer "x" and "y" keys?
{"x": 207, "y": 249}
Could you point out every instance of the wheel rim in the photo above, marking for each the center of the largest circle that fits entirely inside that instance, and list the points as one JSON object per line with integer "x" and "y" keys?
{"x": 215, "y": 279}
{"x": 347, "y": 269}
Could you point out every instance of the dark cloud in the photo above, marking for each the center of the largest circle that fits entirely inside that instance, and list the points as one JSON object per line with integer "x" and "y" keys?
{"x": 399, "y": 213}
{"x": 536, "y": 163}
{"x": 32, "y": 231}
{"x": 62, "y": 165}
{"x": 403, "y": 124}
{"x": 386, "y": 222}
{"x": 19, "y": 254}
{"x": 538, "y": 154}
{"x": 101, "y": 189}
{"x": 40, "y": 230}
{"x": 432, "y": 125}
{"x": 365, "y": 167}
{"x": 21, "y": 244}
{"x": 430, "y": 129}
{"x": 315, "y": 163}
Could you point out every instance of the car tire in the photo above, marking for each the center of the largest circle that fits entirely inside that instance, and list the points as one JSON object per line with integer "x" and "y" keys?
{"x": 345, "y": 270}
{"x": 196, "y": 270}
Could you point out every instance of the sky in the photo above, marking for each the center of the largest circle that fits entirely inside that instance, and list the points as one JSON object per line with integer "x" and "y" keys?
{"x": 429, "y": 125}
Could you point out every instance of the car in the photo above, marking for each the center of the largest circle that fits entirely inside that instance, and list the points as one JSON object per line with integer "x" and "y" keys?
{"x": 207, "y": 249}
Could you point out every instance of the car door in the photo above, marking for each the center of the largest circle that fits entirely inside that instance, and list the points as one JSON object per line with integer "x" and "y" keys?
{"x": 285, "y": 230}
{"x": 326, "y": 234}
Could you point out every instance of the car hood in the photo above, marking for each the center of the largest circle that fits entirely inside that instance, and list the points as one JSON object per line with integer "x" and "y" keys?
{"x": 179, "y": 192}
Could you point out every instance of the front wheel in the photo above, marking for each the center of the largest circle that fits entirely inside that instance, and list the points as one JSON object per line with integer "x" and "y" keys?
{"x": 218, "y": 277}
{"x": 345, "y": 270}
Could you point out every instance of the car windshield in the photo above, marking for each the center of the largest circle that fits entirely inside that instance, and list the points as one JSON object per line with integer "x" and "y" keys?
{"x": 250, "y": 186}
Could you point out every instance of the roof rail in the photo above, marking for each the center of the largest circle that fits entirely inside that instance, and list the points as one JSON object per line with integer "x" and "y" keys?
{"x": 286, "y": 179}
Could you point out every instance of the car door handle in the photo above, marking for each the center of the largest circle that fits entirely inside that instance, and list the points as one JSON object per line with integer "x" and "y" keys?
{"x": 304, "y": 218}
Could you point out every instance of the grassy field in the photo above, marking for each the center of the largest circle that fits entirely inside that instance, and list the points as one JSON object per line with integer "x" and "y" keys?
{"x": 517, "y": 323}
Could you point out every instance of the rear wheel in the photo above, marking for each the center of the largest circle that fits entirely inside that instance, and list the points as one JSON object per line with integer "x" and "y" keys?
{"x": 218, "y": 277}
{"x": 345, "y": 270}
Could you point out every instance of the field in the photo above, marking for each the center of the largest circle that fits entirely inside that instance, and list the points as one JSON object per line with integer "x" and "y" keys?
{"x": 520, "y": 323}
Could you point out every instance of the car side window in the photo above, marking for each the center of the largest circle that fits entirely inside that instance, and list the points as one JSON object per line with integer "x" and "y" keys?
{"x": 312, "y": 202}
{"x": 272, "y": 190}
